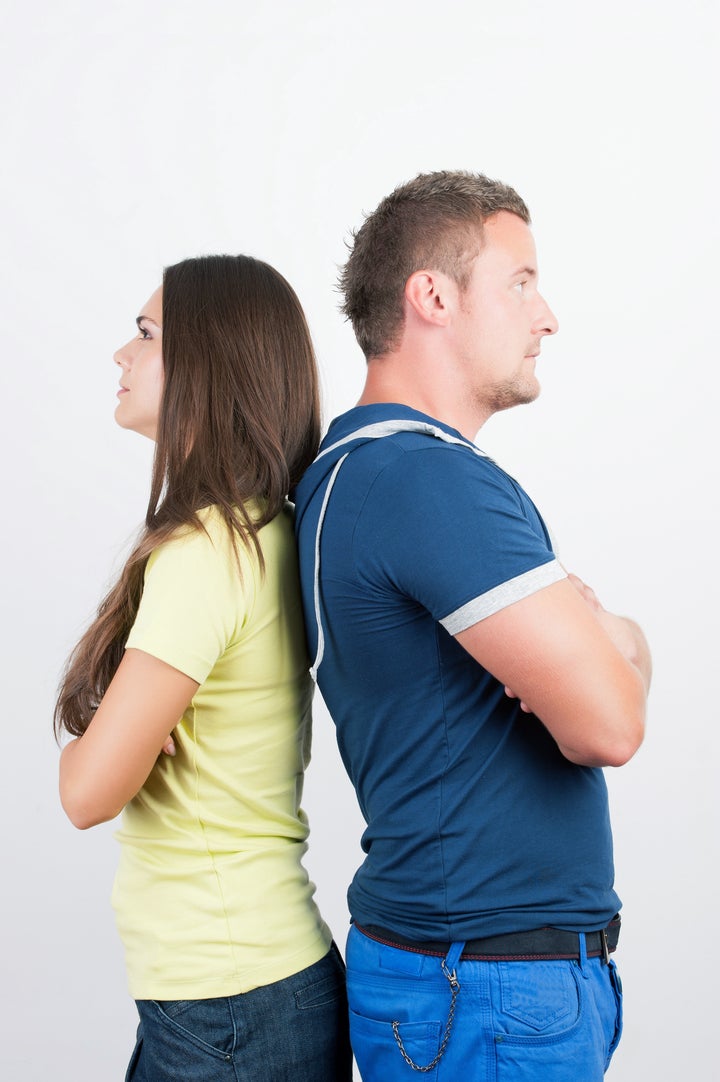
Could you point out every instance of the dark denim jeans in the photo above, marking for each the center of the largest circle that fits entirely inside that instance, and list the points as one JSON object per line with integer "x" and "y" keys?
{"x": 295, "y": 1029}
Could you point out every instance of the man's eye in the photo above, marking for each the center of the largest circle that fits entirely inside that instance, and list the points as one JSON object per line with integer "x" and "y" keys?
{"x": 520, "y": 286}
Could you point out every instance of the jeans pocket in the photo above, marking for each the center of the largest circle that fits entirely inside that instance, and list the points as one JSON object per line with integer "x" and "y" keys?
{"x": 546, "y": 1025}
{"x": 320, "y": 994}
{"x": 378, "y": 1054}
{"x": 207, "y": 1024}
{"x": 538, "y": 998}
{"x": 326, "y": 984}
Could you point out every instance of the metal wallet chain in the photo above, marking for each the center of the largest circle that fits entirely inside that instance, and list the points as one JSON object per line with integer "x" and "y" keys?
{"x": 454, "y": 989}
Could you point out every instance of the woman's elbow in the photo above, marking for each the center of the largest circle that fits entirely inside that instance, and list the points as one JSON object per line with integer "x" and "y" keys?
{"x": 84, "y": 813}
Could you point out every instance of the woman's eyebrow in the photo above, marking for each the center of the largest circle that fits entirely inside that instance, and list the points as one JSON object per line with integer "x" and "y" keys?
{"x": 145, "y": 319}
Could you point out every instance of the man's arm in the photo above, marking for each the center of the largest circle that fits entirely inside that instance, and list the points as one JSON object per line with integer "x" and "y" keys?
{"x": 583, "y": 671}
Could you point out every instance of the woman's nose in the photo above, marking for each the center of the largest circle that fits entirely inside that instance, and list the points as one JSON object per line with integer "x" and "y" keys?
{"x": 121, "y": 359}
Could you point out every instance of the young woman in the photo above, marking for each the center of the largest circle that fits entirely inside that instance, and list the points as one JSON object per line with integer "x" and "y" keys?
{"x": 199, "y": 650}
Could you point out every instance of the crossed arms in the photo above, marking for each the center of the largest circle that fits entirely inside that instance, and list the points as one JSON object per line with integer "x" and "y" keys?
{"x": 583, "y": 671}
{"x": 104, "y": 769}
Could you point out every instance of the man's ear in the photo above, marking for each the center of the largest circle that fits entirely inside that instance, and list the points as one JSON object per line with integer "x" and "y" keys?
{"x": 429, "y": 294}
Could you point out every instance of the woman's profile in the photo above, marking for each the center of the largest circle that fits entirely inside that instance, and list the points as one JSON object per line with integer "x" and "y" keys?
{"x": 199, "y": 649}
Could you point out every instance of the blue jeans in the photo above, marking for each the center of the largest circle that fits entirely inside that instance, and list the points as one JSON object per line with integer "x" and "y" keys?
{"x": 554, "y": 1021}
{"x": 295, "y": 1029}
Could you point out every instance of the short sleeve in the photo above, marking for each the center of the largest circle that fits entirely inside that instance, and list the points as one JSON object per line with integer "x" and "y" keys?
{"x": 193, "y": 603}
{"x": 453, "y": 531}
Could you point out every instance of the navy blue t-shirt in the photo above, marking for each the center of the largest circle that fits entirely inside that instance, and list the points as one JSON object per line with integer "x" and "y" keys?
{"x": 476, "y": 823}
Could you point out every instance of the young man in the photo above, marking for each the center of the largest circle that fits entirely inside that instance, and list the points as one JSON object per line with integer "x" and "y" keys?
{"x": 477, "y": 688}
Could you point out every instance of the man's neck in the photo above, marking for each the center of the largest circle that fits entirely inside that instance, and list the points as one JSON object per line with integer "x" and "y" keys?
{"x": 393, "y": 378}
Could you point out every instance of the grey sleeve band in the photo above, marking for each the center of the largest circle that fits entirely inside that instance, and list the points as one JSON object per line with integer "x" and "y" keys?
{"x": 503, "y": 595}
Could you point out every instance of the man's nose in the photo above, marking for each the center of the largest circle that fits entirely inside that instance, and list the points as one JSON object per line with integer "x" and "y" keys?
{"x": 546, "y": 323}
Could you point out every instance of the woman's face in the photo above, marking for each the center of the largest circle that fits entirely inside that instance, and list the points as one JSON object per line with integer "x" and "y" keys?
{"x": 141, "y": 365}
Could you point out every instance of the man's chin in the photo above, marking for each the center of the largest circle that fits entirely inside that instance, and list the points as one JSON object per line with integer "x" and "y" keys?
{"x": 515, "y": 394}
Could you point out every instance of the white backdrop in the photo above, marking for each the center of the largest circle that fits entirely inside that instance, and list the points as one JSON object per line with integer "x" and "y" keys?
{"x": 135, "y": 134}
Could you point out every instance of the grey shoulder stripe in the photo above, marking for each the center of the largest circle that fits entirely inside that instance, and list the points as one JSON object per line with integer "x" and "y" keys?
{"x": 369, "y": 432}
{"x": 391, "y": 427}
{"x": 503, "y": 595}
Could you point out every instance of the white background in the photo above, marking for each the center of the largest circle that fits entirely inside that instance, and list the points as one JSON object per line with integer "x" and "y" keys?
{"x": 136, "y": 134}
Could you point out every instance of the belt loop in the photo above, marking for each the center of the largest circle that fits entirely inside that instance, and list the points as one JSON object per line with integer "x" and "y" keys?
{"x": 605, "y": 948}
{"x": 452, "y": 958}
{"x": 582, "y": 950}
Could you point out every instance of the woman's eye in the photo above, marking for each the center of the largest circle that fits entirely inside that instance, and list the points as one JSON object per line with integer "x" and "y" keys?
{"x": 142, "y": 333}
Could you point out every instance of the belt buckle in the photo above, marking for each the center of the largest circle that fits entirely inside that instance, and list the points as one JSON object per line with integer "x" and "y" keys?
{"x": 604, "y": 947}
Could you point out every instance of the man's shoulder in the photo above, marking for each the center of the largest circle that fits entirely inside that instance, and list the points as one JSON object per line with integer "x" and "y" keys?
{"x": 384, "y": 457}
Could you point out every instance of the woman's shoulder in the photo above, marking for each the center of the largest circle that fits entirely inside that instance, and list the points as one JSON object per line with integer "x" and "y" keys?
{"x": 196, "y": 545}
{"x": 212, "y": 536}
{"x": 212, "y": 533}
{"x": 279, "y": 531}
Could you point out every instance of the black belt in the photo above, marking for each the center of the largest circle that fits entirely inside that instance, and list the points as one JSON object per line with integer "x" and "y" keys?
{"x": 540, "y": 944}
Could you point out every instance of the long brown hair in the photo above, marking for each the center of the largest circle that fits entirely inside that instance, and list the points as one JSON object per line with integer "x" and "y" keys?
{"x": 239, "y": 421}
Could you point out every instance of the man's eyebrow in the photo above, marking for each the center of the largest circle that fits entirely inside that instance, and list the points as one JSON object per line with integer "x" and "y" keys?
{"x": 529, "y": 272}
{"x": 145, "y": 319}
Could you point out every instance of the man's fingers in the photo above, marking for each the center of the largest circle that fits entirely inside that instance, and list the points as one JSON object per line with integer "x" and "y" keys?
{"x": 586, "y": 592}
{"x": 511, "y": 695}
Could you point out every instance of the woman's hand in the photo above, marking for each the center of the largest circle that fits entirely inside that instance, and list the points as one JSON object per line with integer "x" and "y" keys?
{"x": 168, "y": 747}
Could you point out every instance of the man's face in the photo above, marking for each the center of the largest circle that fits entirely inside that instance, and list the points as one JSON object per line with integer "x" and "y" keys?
{"x": 502, "y": 318}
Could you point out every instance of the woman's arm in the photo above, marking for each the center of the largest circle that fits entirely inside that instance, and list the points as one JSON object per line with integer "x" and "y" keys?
{"x": 103, "y": 769}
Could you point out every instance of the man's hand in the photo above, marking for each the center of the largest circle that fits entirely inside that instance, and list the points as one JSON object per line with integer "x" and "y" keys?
{"x": 523, "y": 706}
{"x": 625, "y": 633}
{"x": 586, "y": 593}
